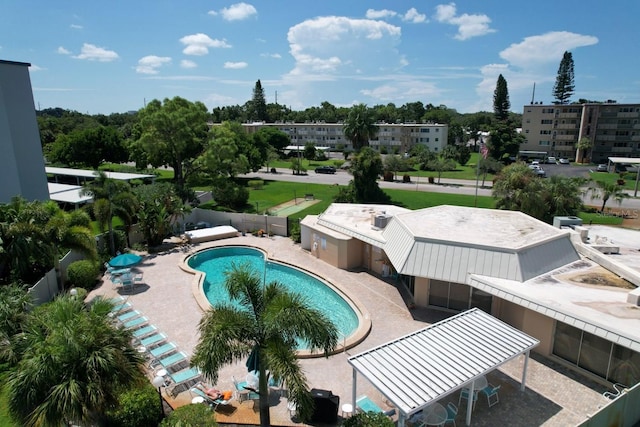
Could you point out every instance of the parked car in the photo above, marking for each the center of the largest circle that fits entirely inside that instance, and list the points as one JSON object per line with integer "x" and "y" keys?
{"x": 551, "y": 160}
{"x": 602, "y": 168}
{"x": 325, "y": 169}
{"x": 564, "y": 161}
{"x": 538, "y": 170}
{"x": 535, "y": 163}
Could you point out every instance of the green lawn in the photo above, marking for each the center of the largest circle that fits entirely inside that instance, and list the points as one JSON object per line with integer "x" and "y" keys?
{"x": 629, "y": 178}
{"x": 598, "y": 218}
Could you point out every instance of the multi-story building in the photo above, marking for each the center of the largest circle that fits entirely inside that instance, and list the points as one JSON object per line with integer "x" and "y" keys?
{"x": 614, "y": 129}
{"x": 21, "y": 159}
{"x": 391, "y": 138}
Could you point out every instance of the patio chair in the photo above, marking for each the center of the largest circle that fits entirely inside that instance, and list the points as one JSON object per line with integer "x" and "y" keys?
{"x": 452, "y": 411}
{"x": 243, "y": 391}
{"x": 180, "y": 379}
{"x": 491, "y": 392}
{"x": 171, "y": 361}
{"x": 138, "y": 279}
{"x": 275, "y": 384}
{"x": 464, "y": 395}
{"x": 129, "y": 315}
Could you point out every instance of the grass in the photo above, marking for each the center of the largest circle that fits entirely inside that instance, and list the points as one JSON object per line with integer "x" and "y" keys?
{"x": 5, "y": 418}
{"x": 600, "y": 219}
{"x": 629, "y": 178}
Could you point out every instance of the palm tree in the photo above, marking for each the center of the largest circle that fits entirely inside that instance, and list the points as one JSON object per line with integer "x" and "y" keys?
{"x": 268, "y": 321}
{"x": 606, "y": 190}
{"x": 110, "y": 198}
{"x": 15, "y": 304}
{"x": 360, "y": 126}
{"x": 517, "y": 188}
{"x": 73, "y": 362}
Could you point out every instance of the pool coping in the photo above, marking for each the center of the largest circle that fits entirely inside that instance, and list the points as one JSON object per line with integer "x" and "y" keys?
{"x": 364, "y": 318}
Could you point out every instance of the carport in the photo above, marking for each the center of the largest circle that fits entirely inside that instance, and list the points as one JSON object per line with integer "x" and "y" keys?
{"x": 416, "y": 370}
{"x": 635, "y": 161}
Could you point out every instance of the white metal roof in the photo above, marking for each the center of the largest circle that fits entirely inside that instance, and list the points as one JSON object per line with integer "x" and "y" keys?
{"x": 67, "y": 193}
{"x": 92, "y": 174}
{"x": 420, "y": 368}
{"x": 629, "y": 160}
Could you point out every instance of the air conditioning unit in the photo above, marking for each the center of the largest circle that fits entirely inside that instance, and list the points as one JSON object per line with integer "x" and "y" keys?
{"x": 380, "y": 221}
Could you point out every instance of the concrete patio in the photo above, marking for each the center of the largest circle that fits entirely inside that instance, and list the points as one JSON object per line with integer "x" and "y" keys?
{"x": 554, "y": 395}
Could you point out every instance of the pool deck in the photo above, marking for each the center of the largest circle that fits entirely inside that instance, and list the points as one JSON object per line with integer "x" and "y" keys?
{"x": 554, "y": 396}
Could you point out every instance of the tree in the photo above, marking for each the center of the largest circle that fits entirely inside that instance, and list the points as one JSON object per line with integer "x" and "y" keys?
{"x": 395, "y": 163}
{"x": 440, "y": 165}
{"x": 258, "y": 109}
{"x": 422, "y": 155}
{"x": 89, "y": 147}
{"x": 562, "y": 197}
{"x": 564, "y": 86}
{"x": 584, "y": 145}
{"x": 366, "y": 167}
{"x": 517, "y": 188}
{"x": 73, "y": 362}
{"x": 273, "y": 137}
{"x": 268, "y": 321}
{"x": 359, "y": 127}
{"x": 606, "y": 190}
{"x": 488, "y": 165}
{"x": 110, "y": 198}
{"x": 505, "y": 140}
{"x": 173, "y": 133}
{"x": 309, "y": 152}
{"x": 223, "y": 156}
{"x": 160, "y": 207}
{"x": 501, "y": 104}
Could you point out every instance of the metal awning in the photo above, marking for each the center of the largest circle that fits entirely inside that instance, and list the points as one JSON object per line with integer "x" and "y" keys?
{"x": 421, "y": 368}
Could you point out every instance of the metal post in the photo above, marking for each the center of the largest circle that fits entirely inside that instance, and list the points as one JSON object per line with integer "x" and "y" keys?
{"x": 159, "y": 382}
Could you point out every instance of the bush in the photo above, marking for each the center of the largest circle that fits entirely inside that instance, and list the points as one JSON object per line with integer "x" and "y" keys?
{"x": 137, "y": 407}
{"x": 406, "y": 178}
{"x": 229, "y": 194}
{"x": 294, "y": 231}
{"x": 388, "y": 176}
{"x": 273, "y": 170}
{"x": 256, "y": 184}
{"x": 190, "y": 416}
{"x": 431, "y": 179}
{"x": 83, "y": 274}
{"x": 368, "y": 419}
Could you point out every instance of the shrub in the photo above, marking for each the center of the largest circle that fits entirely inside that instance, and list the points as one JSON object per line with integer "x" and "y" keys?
{"x": 137, "y": 407}
{"x": 388, "y": 176}
{"x": 273, "y": 170}
{"x": 256, "y": 184}
{"x": 406, "y": 178}
{"x": 294, "y": 231}
{"x": 190, "y": 416}
{"x": 431, "y": 179}
{"x": 83, "y": 274}
{"x": 230, "y": 194}
{"x": 368, "y": 419}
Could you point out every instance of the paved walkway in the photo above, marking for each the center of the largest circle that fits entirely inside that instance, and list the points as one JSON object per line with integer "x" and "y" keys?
{"x": 553, "y": 396}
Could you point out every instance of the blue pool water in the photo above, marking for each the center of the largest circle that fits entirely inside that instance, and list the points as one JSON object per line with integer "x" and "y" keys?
{"x": 214, "y": 262}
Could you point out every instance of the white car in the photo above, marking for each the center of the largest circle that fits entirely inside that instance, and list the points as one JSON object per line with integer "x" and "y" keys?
{"x": 564, "y": 161}
{"x": 551, "y": 160}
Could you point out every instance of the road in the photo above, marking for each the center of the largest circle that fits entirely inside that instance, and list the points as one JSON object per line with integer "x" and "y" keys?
{"x": 452, "y": 186}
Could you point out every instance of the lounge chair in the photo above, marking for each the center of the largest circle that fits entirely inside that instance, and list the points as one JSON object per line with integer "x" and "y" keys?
{"x": 200, "y": 390}
{"x": 163, "y": 350}
{"x": 121, "y": 308}
{"x": 144, "y": 331}
{"x": 364, "y": 404}
{"x": 152, "y": 340}
{"x": 136, "y": 323}
{"x": 171, "y": 361}
{"x": 179, "y": 379}
{"x": 129, "y": 315}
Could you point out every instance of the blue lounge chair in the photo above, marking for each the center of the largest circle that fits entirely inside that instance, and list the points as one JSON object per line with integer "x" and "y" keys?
{"x": 153, "y": 339}
{"x": 180, "y": 378}
{"x": 199, "y": 390}
{"x": 144, "y": 331}
{"x": 163, "y": 350}
{"x": 129, "y": 315}
{"x": 172, "y": 360}
{"x": 135, "y": 323}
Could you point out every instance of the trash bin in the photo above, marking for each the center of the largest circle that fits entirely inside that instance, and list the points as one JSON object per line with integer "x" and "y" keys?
{"x": 326, "y": 406}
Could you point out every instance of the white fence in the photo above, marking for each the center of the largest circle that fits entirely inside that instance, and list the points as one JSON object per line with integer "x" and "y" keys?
{"x": 47, "y": 288}
{"x": 246, "y": 223}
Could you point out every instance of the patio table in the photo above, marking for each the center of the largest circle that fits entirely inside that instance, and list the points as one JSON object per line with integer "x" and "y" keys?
{"x": 435, "y": 414}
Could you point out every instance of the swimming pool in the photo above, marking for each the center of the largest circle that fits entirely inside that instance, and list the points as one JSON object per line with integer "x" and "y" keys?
{"x": 320, "y": 295}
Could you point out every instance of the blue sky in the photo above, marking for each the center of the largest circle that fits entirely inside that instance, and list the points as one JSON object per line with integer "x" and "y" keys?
{"x": 105, "y": 57}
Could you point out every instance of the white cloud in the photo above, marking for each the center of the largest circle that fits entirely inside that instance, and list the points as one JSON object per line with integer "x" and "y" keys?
{"x": 76, "y": 26}
{"x": 94, "y": 53}
{"x": 408, "y": 90}
{"x": 62, "y": 51}
{"x": 414, "y": 16}
{"x": 238, "y": 12}
{"x": 34, "y": 67}
{"x": 199, "y": 44}
{"x": 545, "y": 48}
{"x": 468, "y": 25}
{"x": 186, "y": 63}
{"x": 213, "y": 13}
{"x": 380, "y": 14}
{"x": 235, "y": 65}
{"x": 150, "y": 64}
{"x": 271, "y": 55}
{"x": 332, "y": 44}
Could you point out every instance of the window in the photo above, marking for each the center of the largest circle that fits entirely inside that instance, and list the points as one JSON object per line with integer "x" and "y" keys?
{"x": 544, "y": 143}
{"x": 323, "y": 243}
{"x": 546, "y": 122}
{"x": 423, "y": 130}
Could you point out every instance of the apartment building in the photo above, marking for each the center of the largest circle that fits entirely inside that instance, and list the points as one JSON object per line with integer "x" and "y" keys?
{"x": 395, "y": 138}
{"x": 613, "y": 128}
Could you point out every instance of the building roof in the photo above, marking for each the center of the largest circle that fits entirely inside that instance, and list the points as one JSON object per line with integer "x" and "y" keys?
{"x": 83, "y": 173}
{"x": 425, "y": 366}
{"x": 67, "y": 193}
{"x": 625, "y": 160}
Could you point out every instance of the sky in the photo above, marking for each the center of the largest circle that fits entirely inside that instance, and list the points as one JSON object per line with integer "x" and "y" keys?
{"x": 103, "y": 57}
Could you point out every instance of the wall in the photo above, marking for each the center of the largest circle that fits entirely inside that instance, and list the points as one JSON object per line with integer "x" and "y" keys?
{"x": 21, "y": 160}
{"x": 421, "y": 291}
{"x": 241, "y": 221}
{"x": 623, "y": 411}
{"x": 529, "y": 322}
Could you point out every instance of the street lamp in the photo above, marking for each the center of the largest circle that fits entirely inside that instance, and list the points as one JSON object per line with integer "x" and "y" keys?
{"x": 73, "y": 292}
{"x": 158, "y": 382}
